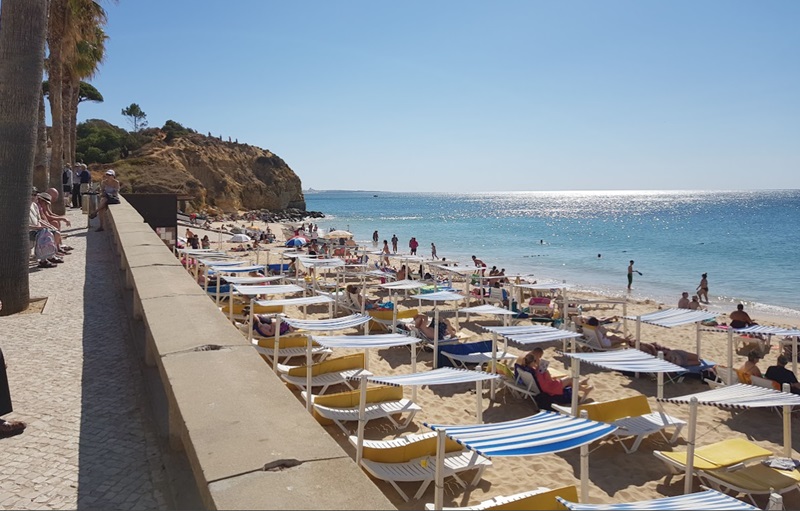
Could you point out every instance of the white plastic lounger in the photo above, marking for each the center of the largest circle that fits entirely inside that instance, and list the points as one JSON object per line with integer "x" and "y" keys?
{"x": 633, "y": 417}
{"x": 284, "y": 354}
{"x": 382, "y": 410}
{"x": 327, "y": 379}
{"x": 394, "y": 442}
{"x": 424, "y": 469}
{"x": 540, "y": 498}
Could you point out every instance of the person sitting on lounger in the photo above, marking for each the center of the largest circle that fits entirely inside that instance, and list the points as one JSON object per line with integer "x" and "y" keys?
{"x": 740, "y": 319}
{"x": 750, "y": 368}
{"x": 606, "y": 340}
{"x": 265, "y": 326}
{"x": 780, "y": 374}
{"x": 358, "y": 300}
{"x": 556, "y": 387}
{"x": 425, "y": 326}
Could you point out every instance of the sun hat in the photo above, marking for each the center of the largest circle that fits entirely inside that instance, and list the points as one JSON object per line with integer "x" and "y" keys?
{"x": 110, "y": 172}
{"x": 44, "y": 196}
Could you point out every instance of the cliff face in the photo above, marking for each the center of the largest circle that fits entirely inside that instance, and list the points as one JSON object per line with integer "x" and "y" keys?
{"x": 218, "y": 175}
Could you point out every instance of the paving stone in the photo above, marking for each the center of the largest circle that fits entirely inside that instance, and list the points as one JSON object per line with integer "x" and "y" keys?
{"x": 75, "y": 379}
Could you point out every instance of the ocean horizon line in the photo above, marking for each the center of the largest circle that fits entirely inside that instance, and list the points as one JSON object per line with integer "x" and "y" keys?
{"x": 574, "y": 191}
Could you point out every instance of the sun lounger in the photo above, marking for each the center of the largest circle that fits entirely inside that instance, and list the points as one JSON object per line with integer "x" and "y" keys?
{"x": 540, "y": 499}
{"x": 329, "y": 372}
{"x": 469, "y": 353}
{"x": 633, "y": 417}
{"x": 288, "y": 347}
{"x": 591, "y": 342}
{"x": 382, "y": 319}
{"x": 757, "y": 479}
{"x": 764, "y": 382}
{"x": 414, "y": 460}
{"x": 705, "y": 367}
{"x": 382, "y": 403}
{"x": 720, "y": 455}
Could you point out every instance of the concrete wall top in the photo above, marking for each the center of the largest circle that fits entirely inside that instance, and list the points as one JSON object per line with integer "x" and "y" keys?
{"x": 250, "y": 442}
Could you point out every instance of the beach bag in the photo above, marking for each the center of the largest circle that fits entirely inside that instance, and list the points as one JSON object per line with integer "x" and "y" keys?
{"x": 45, "y": 246}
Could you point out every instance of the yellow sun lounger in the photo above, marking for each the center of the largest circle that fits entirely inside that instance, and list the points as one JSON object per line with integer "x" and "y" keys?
{"x": 413, "y": 459}
{"x": 634, "y": 418}
{"x": 720, "y": 455}
{"x": 757, "y": 479}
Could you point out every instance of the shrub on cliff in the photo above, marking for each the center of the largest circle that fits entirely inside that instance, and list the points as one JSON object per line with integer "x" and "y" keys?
{"x": 100, "y": 141}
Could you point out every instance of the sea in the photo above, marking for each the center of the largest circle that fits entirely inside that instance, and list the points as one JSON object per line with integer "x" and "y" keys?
{"x": 747, "y": 241}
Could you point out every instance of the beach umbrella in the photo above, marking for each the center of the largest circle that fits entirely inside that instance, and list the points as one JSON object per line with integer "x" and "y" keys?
{"x": 536, "y": 435}
{"x": 339, "y": 234}
{"x": 237, "y": 230}
{"x": 297, "y": 241}
{"x": 239, "y": 238}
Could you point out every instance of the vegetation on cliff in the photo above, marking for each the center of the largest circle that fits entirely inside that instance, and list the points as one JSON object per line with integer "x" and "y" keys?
{"x": 218, "y": 175}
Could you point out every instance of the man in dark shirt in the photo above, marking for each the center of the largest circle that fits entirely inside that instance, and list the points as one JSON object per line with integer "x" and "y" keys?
{"x": 780, "y": 374}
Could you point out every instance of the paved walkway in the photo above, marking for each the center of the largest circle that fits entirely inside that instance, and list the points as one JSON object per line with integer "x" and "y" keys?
{"x": 76, "y": 381}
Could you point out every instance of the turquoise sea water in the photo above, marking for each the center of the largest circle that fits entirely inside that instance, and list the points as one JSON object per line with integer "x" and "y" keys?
{"x": 747, "y": 241}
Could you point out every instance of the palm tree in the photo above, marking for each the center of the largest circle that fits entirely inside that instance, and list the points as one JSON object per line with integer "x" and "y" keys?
{"x": 89, "y": 54}
{"x": 56, "y": 34}
{"x": 77, "y": 46}
{"x": 22, "y": 39}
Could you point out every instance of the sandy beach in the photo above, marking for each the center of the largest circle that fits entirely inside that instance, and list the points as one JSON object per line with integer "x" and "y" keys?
{"x": 614, "y": 475}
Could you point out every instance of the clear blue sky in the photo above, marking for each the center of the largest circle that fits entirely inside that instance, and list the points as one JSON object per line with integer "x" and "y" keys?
{"x": 475, "y": 95}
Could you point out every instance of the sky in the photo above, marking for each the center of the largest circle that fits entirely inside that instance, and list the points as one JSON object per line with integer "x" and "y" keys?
{"x": 467, "y": 96}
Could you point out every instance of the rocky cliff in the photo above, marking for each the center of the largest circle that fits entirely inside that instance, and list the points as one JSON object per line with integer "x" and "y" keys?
{"x": 222, "y": 176}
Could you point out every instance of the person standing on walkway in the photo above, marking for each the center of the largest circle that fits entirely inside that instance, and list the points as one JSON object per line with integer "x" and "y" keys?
{"x": 394, "y": 243}
{"x": 702, "y": 288}
{"x": 630, "y": 274}
{"x": 7, "y": 428}
{"x": 66, "y": 184}
{"x": 433, "y": 252}
{"x": 85, "y": 181}
{"x": 76, "y": 186}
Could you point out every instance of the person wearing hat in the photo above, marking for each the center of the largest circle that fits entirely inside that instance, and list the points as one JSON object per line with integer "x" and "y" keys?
{"x": 37, "y": 224}
{"x": 46, "y": 211}
{"x": 109, "y": 194}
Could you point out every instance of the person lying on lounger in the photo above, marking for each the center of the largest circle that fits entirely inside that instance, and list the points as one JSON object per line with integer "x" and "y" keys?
{"x": 265, "y": 326}
{"x": 606, "y": 340}
{"x": 678, "y": 357}
{"x": 425, "y": 326}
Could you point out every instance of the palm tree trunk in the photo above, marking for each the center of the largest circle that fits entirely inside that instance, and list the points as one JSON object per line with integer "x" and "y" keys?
{"x": 21, "y": 62}
{"x": 40, "y": 160}
{"x": 73, "y": 118}
{"x": 58, "y": 14}
{"x": 66, "y": 102}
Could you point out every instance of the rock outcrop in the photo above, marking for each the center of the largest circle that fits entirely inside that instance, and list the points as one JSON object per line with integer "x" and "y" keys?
{"x": 218, "y": 175}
